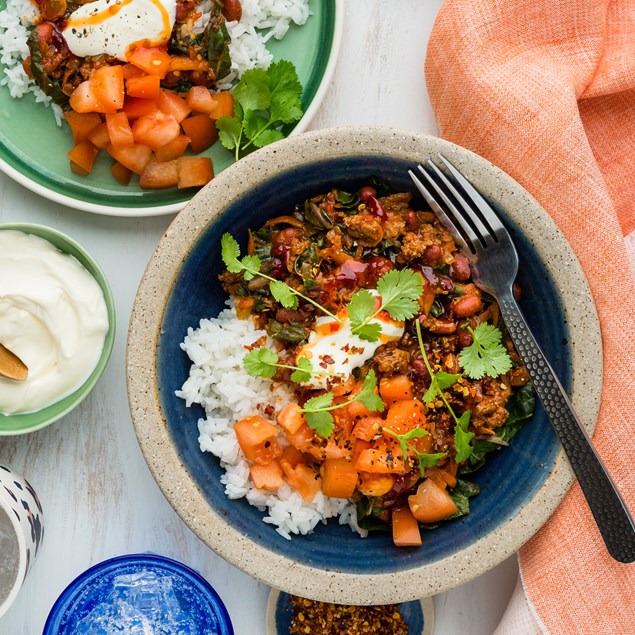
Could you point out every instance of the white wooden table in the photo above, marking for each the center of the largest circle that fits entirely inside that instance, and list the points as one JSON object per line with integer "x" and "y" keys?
{"x": 98, "y": 495}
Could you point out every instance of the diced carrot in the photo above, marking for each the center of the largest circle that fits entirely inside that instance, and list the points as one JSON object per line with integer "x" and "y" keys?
{"x": 136, "y": 107}
{"x": 267, "y": 476}
{"x": 174, "y": 149}
{"x": 405, "y": 528}
{"x": 155, "y": 130}
{"x": 405, "y": 415}
{"x": 130, "y": 70}
{"x": 380, "y": 458}
{"x": 144, "y": 87}
{"x": 81, "y": 124}
{"x": 291, "y": 417}
{"x": 194, "y": 171}
{"x": 224, "y": 105}
{"x": 181, "y": 63}
{"x": 134, "y": 158}
{"x": 153, "y": 60}
{"x": 375, "y": 484}
{"x": 75, "y": 169}
{"x": 108, "y": 87}
{"x": 303, "y": 480}
{"x": 339, "y": 478}
{"x": 119, "y": 129}
{"x": 84, "y": 99}
{"x": 158, "y": 175}
{"x": 368, "y": 427}
{"x": 201, "y": 130}
{"x": 121, "y": 173}
{"x": 200, "y": 99}
{"x": 100, "y": 137}
{"x": 84, "y": 155}
{"x": 431, "y": 503}
{"x": 395, "y": 388}
{"x": 256, "y": 438}
{"x": 171, "y": 104}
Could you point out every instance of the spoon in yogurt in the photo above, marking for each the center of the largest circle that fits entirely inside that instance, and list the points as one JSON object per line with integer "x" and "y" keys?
{"x": 11, "y": 366}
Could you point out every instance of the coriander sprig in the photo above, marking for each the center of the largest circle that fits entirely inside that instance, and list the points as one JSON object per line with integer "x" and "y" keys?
{"x": 399, "y": 291}
{"x": 250, "y": 267}
{"x": 317, "y": 410}
{"x": 485, "y": 355}
{"x": 438, "y": 383}
{"x": 425, "y": 460}
{"x": 263, "y": 362}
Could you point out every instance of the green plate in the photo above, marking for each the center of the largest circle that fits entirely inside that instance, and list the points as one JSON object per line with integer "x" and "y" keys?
{"x": 33, "y": 149}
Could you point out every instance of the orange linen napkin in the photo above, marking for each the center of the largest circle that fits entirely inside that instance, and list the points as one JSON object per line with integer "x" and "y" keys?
{"x": 545, "y": 89}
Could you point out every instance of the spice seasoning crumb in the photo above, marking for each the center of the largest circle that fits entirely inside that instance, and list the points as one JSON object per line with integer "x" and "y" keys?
{"x": 322, "y": 618}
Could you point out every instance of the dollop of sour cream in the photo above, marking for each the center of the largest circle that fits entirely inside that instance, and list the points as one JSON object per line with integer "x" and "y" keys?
{"x": 53, "y": 316}
{"x": 112, "y": 27}
{"x": 336, "y": 351}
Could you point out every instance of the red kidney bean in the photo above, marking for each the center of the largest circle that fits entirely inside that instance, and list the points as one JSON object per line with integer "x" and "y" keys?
{"x": 366, "y": 192}
{"x": 373, "y": 206}
{"x": 232, "y": 10}
{"x": 467, "y": 305}
{"x": 465, "y": 338}
{"x": 377, "y": 267}
{"x": 432, "y": 254}
{"x": 460, "y": 268}
{"x": 412, "y": 222}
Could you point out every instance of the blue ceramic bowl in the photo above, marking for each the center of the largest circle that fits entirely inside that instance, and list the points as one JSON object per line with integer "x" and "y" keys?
{"x": 520, "y": 486}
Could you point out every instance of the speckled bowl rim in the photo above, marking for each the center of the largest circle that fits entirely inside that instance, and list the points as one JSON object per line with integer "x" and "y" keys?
{"x": 178, "y": 485}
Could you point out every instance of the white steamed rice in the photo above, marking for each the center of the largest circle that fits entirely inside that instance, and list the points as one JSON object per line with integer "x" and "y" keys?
{"x": 218, "y": 382}
{"x": 261, "y": 20}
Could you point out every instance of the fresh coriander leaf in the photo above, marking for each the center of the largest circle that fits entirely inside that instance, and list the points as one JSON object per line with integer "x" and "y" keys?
{"x": 360, "y": 308}
{"x": 304, "y": 371}
{"x": 400, "y": 291}
{"x": 260, "y": 362}
{"x": 252, "y": 91}
{"x": 230, "y": 251}
{"x": 445, "y": 380}
{"x": 462, "y": 438}
{"x": 283, "y": 78}
{"x": 254, "y": 123}
{"x": 267, "y": 136}
{"x": 229, "y": 132}
{"x": 285, "y": 108}
{"x": 369, "y": 332}
{"x": 428, "y": 460}
{"x": 486, "y": 355}
{"x": 325, "y": 400}
{"x": 251, "y": 265}
{"x": 403, "y": 439}
{"x": 283, "y": 293}
{"x": 367, "y": 395}
{"x": 320, "y": 421}
{"x": 430, "y": 394}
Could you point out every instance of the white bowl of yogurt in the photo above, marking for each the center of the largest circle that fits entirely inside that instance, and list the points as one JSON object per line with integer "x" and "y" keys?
{"x": 57, "y": 315}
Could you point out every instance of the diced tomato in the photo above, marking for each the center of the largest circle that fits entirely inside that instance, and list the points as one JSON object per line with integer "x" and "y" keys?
{"x": 130, "y": 70}
{"x": 194, "y": 171}
{"x": 292, "y": 456}
{"x": 75, "y": 169}
{"x": 431, "y": 503}
{"x": 174, "y": 149}
{"x": 339, "y": 478}
{"x": 100, "y": 137}
{"x": 121, "y": 173}
{"x": 81, "y": 124}
{"x": 302, "y": 479}
{"x": 302, "y": 438}
{"x": 380, "y": 458}
{"x": 108, "y": 87}
{"x": 144, "y": 87}
{"x": 136, "y": 107}
{"x": 375, "y": 484}
{"x": 153, "y": 60}
{"x": 224, "y": 105}
{"x": 84, "y": 99}
{"x": 172, "y": 104}
{"x": 368, "y": 427}
{"x": 119, "y": 129}
{"x": 256, "y": 438}
{"x": 155, "y": 130}
{"x": 405, "y": 528}
{"x": 159, "y": 175}
{"x": 84, "y": 155}
{"x": 267, "y": 476}
{"x": 182, "y": 63}
{"x": 200, "y": 99}
{"x": 357, "y": 409}
{"x": 405, "y": 415}
{"x": 395, "y": 388}
{"x": 201, "y": 130}
{"x": 291, "y": 417}
{"x": 441, "y": 477}
{"x": 134, "y": 157}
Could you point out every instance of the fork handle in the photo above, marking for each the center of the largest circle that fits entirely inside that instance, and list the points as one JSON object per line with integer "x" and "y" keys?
{"x": 610, "y": 513}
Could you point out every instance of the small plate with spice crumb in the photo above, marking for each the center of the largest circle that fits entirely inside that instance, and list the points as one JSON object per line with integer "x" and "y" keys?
{"x": 292, "y": 615}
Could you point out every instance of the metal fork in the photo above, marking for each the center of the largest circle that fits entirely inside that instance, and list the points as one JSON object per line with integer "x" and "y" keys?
{"x": 494, "y": 263}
